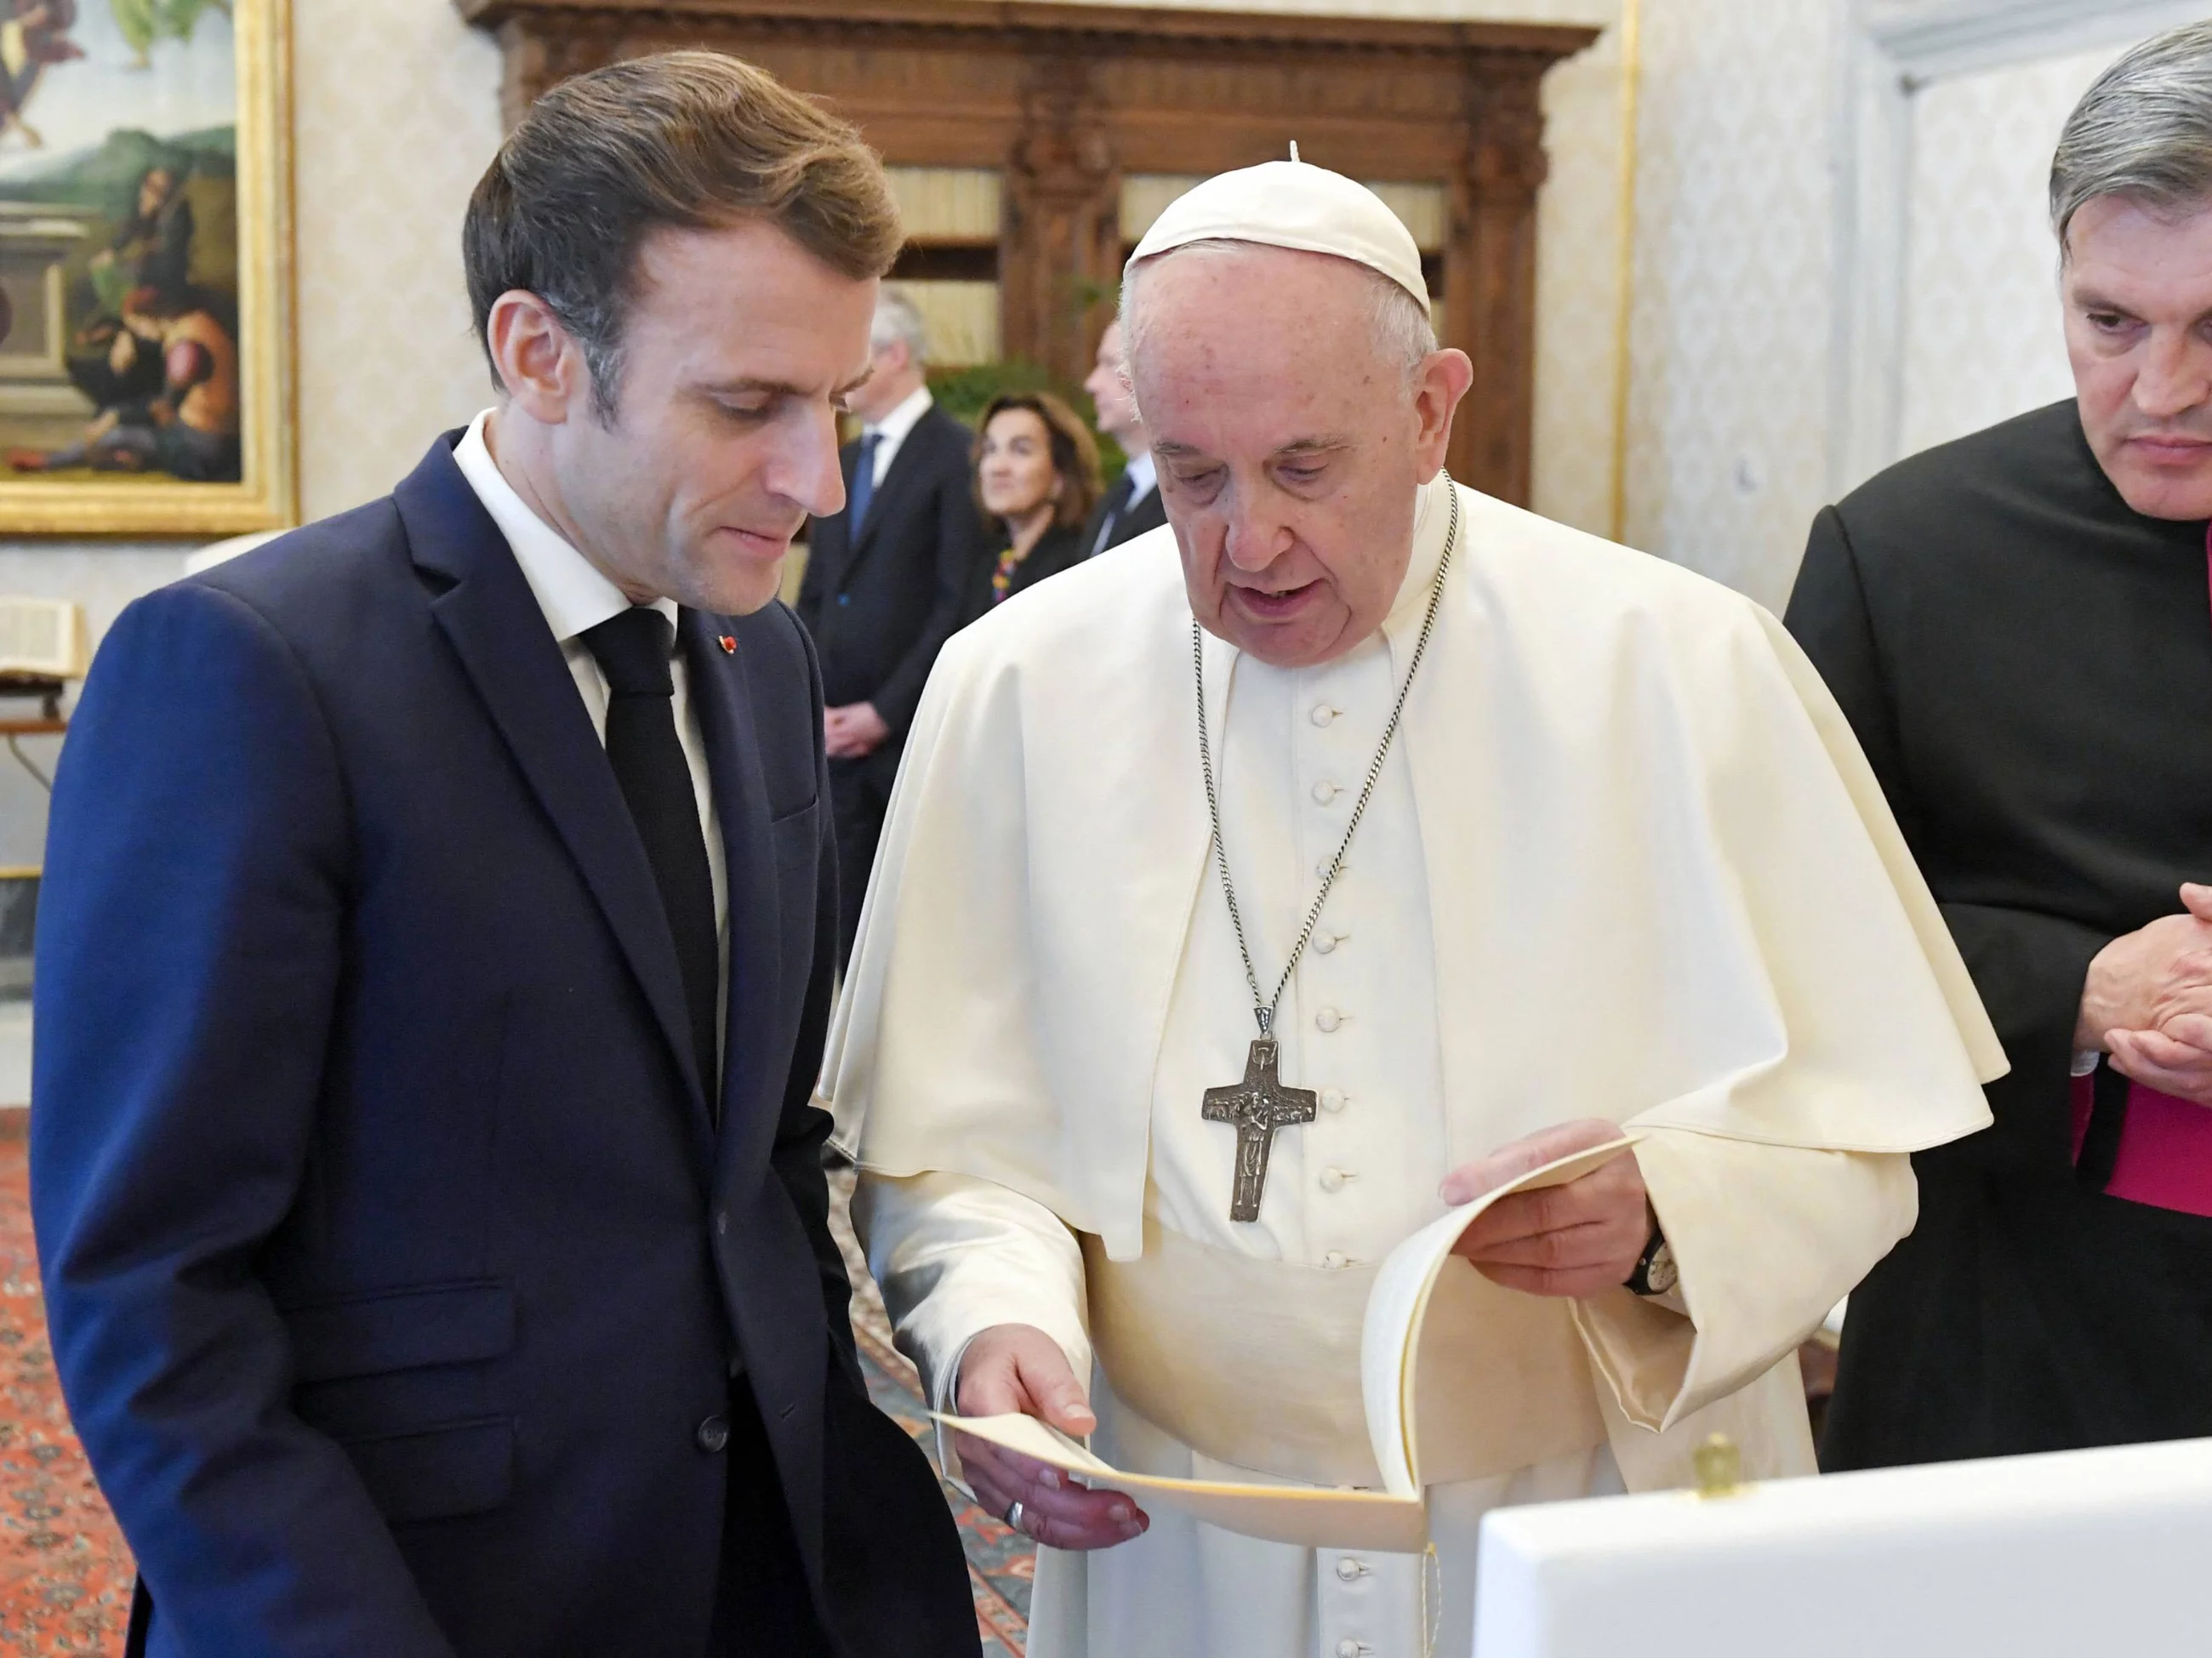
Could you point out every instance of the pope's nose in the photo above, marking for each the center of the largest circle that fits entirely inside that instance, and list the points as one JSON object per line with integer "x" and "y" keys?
{"x": 1251, "y": 544}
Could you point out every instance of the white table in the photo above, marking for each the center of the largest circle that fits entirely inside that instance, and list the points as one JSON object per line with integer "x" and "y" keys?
{"x": 2087, "y": 1554}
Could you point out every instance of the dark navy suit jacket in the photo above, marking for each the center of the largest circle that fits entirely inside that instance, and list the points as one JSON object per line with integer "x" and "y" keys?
{"x": 881, "y": 608}
{"x": 394, "y": 1259}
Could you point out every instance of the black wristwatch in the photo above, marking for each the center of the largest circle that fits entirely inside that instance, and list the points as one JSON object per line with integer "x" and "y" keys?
{"x": 1654, "y": 1273}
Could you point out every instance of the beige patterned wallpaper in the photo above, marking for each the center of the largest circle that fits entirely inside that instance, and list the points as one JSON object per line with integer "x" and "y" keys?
{"x": 1728, "y": 409}
{"x": 397, "y": 117}
{"x": 1981, "y": 338}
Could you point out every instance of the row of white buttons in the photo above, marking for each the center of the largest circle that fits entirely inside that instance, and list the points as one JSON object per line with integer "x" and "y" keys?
{"x": 1333, "y": 1099}
{"x": 1350, "y": 1570}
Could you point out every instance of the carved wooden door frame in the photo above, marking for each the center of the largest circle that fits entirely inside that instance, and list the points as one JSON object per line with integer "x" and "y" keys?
{"x": 1064, "y": 99}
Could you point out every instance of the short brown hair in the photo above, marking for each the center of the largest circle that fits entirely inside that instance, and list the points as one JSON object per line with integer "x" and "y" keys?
{"x": 1074, "y": 452}
{"x": 681, "y": 139}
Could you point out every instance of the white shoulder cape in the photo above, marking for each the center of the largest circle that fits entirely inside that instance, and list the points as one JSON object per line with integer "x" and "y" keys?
{"x": 1667, "y": 890}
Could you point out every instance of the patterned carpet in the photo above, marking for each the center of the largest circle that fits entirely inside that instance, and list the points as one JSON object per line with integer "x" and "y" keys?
{"x": 1001, "y": 1562}
{"x": 65, "y": 1574}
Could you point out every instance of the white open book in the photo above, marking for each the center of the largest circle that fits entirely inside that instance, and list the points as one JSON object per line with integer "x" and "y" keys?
{"x": 44, "y": 638}
{"x": 1393, "y": 1519}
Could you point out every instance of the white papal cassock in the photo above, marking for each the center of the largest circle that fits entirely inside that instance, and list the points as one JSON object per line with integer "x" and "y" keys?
{"x": 1624, "y": 861}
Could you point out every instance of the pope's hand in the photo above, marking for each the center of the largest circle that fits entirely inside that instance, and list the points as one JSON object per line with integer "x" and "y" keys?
{"x": 1012, "y": 1367}
{"x": 1574, "y": 1240}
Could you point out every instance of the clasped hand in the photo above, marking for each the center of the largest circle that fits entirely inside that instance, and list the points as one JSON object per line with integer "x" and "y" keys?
{"x": 854, "y": 731}
{"x": 2147, "y": 1001}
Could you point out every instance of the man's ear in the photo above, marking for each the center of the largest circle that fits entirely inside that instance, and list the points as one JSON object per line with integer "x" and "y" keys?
{"x": 1438, "y": 385}
{"x": 538, "y": 360}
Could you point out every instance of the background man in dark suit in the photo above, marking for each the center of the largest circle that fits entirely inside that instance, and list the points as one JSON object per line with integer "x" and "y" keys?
{"x": 1133, "y": 505}
{"x": 887, "y": 583}
{"x": 2016, "y": 625}
{"x": 435, "y": 966}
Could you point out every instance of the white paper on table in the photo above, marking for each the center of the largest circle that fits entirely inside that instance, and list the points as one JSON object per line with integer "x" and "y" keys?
{"x": 1393, "y": 1520}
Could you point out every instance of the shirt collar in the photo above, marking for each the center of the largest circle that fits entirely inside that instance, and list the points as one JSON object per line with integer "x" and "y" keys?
{"x": 1144, "y": 475}
{"x": 1431, "y": 523}
{"x": 568, "y": 587}
{"x": 894, "y": 427}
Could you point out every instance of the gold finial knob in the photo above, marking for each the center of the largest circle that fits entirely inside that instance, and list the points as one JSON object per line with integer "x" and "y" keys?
{"x": 1719, "y": 1466}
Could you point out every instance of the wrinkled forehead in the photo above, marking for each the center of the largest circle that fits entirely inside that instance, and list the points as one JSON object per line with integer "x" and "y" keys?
{"x": 1234, "y": 332}
{"x": 1228, "y": 313}
{"x": 2119, "y": 242}
{"x": 1211, "y": 280}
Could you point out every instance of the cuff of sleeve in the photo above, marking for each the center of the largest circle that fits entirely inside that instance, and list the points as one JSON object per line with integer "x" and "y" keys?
{"x": 942, "y": 1400}
{"x": 1642, "y": 1348}
{"x": 1767, "y": 1239}
{"x": 895, "y": 705}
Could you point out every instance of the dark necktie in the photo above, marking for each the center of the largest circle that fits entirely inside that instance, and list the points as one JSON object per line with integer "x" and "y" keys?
{"x": 633, "y": 651}
{"x": 863, "y": 486}
{"x": 1117, "y": 502}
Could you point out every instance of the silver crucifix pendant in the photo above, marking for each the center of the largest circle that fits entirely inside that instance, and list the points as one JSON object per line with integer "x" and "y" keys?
{"x": 1258, "y": 1106}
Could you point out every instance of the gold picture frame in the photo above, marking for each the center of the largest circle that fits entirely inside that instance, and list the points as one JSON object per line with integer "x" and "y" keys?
{"x": 225, "y": 472}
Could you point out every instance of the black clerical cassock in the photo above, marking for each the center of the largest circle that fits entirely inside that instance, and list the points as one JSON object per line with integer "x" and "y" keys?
{"x": 2028, "y": 664}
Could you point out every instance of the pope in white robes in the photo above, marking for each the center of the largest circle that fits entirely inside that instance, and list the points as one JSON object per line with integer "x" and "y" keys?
{"x": 1621, "y": 864}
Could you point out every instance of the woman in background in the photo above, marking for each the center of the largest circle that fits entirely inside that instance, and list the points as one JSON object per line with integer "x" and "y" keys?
{"x": 1036, "y": 476}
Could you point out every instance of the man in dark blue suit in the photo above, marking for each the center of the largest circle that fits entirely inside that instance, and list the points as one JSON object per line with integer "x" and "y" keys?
{"x": 440, "y": 920}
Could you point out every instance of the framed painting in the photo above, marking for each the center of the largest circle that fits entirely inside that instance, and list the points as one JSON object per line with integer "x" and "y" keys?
{"x": 146, "y": 332}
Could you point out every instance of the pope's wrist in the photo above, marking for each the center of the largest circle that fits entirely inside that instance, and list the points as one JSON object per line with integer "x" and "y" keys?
{"x": 1654, "y": 1273}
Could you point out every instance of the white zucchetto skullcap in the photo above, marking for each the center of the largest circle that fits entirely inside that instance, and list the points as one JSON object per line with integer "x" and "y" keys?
{"x": 1297, "y": 205}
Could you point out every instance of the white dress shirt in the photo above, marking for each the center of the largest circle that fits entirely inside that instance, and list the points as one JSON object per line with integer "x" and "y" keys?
{"x": 574, "y": 596}
{"x": 890, "y": 431}
{"x": 1143, "y": 476}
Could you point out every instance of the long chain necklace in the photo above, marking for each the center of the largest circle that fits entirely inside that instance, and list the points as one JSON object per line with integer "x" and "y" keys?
{"x": 1261, "y": 1105}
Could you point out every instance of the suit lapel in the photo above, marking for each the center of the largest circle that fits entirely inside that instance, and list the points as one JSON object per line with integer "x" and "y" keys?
{"x": 835, "y": 539}
{"x": 720, "y": 694}
{"x": 1149, "y": 513}
{"x": 905, "y": 467}
{"x": 495, "y": 625}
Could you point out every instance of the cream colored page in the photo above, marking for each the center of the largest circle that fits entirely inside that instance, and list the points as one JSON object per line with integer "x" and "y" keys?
{"x": 1309, "y": 1517}
{"x": 1314, "y": 1516}
{"x": 1400, "y": 1300}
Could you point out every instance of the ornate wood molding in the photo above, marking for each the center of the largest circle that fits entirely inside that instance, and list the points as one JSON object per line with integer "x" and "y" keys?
{"x": 1066, "y": 99}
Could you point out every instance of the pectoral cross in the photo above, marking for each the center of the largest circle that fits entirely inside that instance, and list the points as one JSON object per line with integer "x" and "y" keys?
{"x": 1258, "y": 1106}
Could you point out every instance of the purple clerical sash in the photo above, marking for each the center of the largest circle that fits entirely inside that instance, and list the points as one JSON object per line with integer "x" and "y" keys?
{"x": 2163, "y": 1156}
